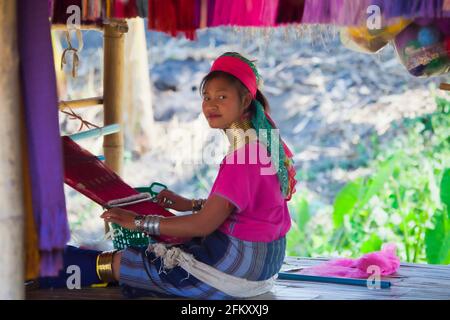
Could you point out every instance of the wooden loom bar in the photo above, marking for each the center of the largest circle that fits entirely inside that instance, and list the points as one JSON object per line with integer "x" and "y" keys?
{"x": 113, "y": 77}
{"x": 445, "y": 86}
{"x": 82, "y": 103}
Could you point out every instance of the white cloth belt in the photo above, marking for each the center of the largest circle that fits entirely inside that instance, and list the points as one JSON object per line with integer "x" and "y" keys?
{"x": 230, "y": 285}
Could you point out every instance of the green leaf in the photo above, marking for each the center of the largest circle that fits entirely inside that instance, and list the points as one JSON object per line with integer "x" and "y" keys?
{"x": 377, "y": 182}
{"x": 345, "y": 201}
{"x": 432, "y": 184}
{"x": 394, "y": 201}
{"x": 303, "y": 215}
{"x": 445, "y": 190}
{"x": 372, "y": 244}
{"x": 437, "y": 241}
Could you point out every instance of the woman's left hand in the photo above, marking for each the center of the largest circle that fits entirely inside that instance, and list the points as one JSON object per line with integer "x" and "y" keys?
{"x": 124, "y": 218}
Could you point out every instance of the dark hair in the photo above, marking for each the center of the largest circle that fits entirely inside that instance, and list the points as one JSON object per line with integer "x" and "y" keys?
{"x": 242, "y": 89}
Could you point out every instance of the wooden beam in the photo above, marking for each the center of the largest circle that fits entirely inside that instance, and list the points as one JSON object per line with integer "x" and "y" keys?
{"x": 82, "y": 103}
{"x": 12, "y": 212}
{"x": 445, "y": 86}
{"x": 113, "y": 77}
{"x": 63, "y": 27}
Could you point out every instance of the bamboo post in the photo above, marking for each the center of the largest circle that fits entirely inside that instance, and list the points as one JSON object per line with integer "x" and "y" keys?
{"x": 11, "y": 184}
{"x": 113, "y": 74}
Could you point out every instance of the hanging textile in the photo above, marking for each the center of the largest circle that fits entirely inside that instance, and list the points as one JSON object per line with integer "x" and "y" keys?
{"x": 290, "y": 11}
{"x": 118, "y": 9}
{"x": 31, "y": 237}
{"x": 446, "y": 7}
{"x": 336, "y": 12}
{"x": 201, "y": 13}
{"x": 173, "y": 17}
{"x": 58, "y": 9}
{"x": 123, "y": 9}
{"x": 186, "y": 22}
{"x": 142, "y": 8}
{"x": 316, "y": 11}
{"x": 256, "y": 13}
{"x": 108, "y": 9}
{"x": 92, "y": 11}
{"x": 131, "y": 9}
{"x": 415, "y": 9}
{"x": 43, "y": 136}
{"x": 353, "y": 12}
{"x": 211, "y": 7}
{"x": 95, "y": 11}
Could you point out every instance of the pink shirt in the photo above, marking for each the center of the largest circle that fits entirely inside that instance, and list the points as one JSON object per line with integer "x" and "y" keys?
{"x": 261, "y": 213}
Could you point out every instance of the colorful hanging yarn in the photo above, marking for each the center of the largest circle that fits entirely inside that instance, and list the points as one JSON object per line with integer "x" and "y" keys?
{"x": 337, "y": 12}
{"x": 96, "y": 11}
{"x": 91, "y": 11}
{"x": 256, "y": 13}
{"x": 415, "y": 8}
{"x": 131, "y": 9}
{"x": 31, "y": 236}
{"x": 142, "y": 8}
{"x": 58, "y": 9}
{"x": 354, "y": 12}
{"x": 202, "y": 8}
{"x": 290, "y": 11}
{"x": 173, "y": 17}
{"x": 446, "y": 5}
{"x": 187, "y": 16}
{"x": 118, "y": 9}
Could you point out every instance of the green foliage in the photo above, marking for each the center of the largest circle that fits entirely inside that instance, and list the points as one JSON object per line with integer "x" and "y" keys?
{"x": 405, "y": 200}
{"x": 445, "y": 190}
{"x": 438, "y": 239}
{"x": 346, "y": 201}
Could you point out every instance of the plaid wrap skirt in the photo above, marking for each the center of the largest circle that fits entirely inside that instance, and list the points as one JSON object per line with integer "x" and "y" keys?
{"x": 143, "y": 274}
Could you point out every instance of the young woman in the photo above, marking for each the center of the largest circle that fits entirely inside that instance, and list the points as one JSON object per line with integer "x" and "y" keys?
{"x": 238, "y": 233}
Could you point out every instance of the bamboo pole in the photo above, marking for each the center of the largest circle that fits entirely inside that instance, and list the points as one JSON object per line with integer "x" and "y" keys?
{"x": 82, "y": 103}
{"x": 11, "y": 184}
{"x": 113, "y": 74}
{"x": 63, "y": 27}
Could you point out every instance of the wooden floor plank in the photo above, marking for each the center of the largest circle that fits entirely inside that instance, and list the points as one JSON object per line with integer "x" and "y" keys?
{"x": 412, "y": 281}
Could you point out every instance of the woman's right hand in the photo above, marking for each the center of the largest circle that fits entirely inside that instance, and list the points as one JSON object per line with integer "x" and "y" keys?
{"x": 178, "y": 202}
